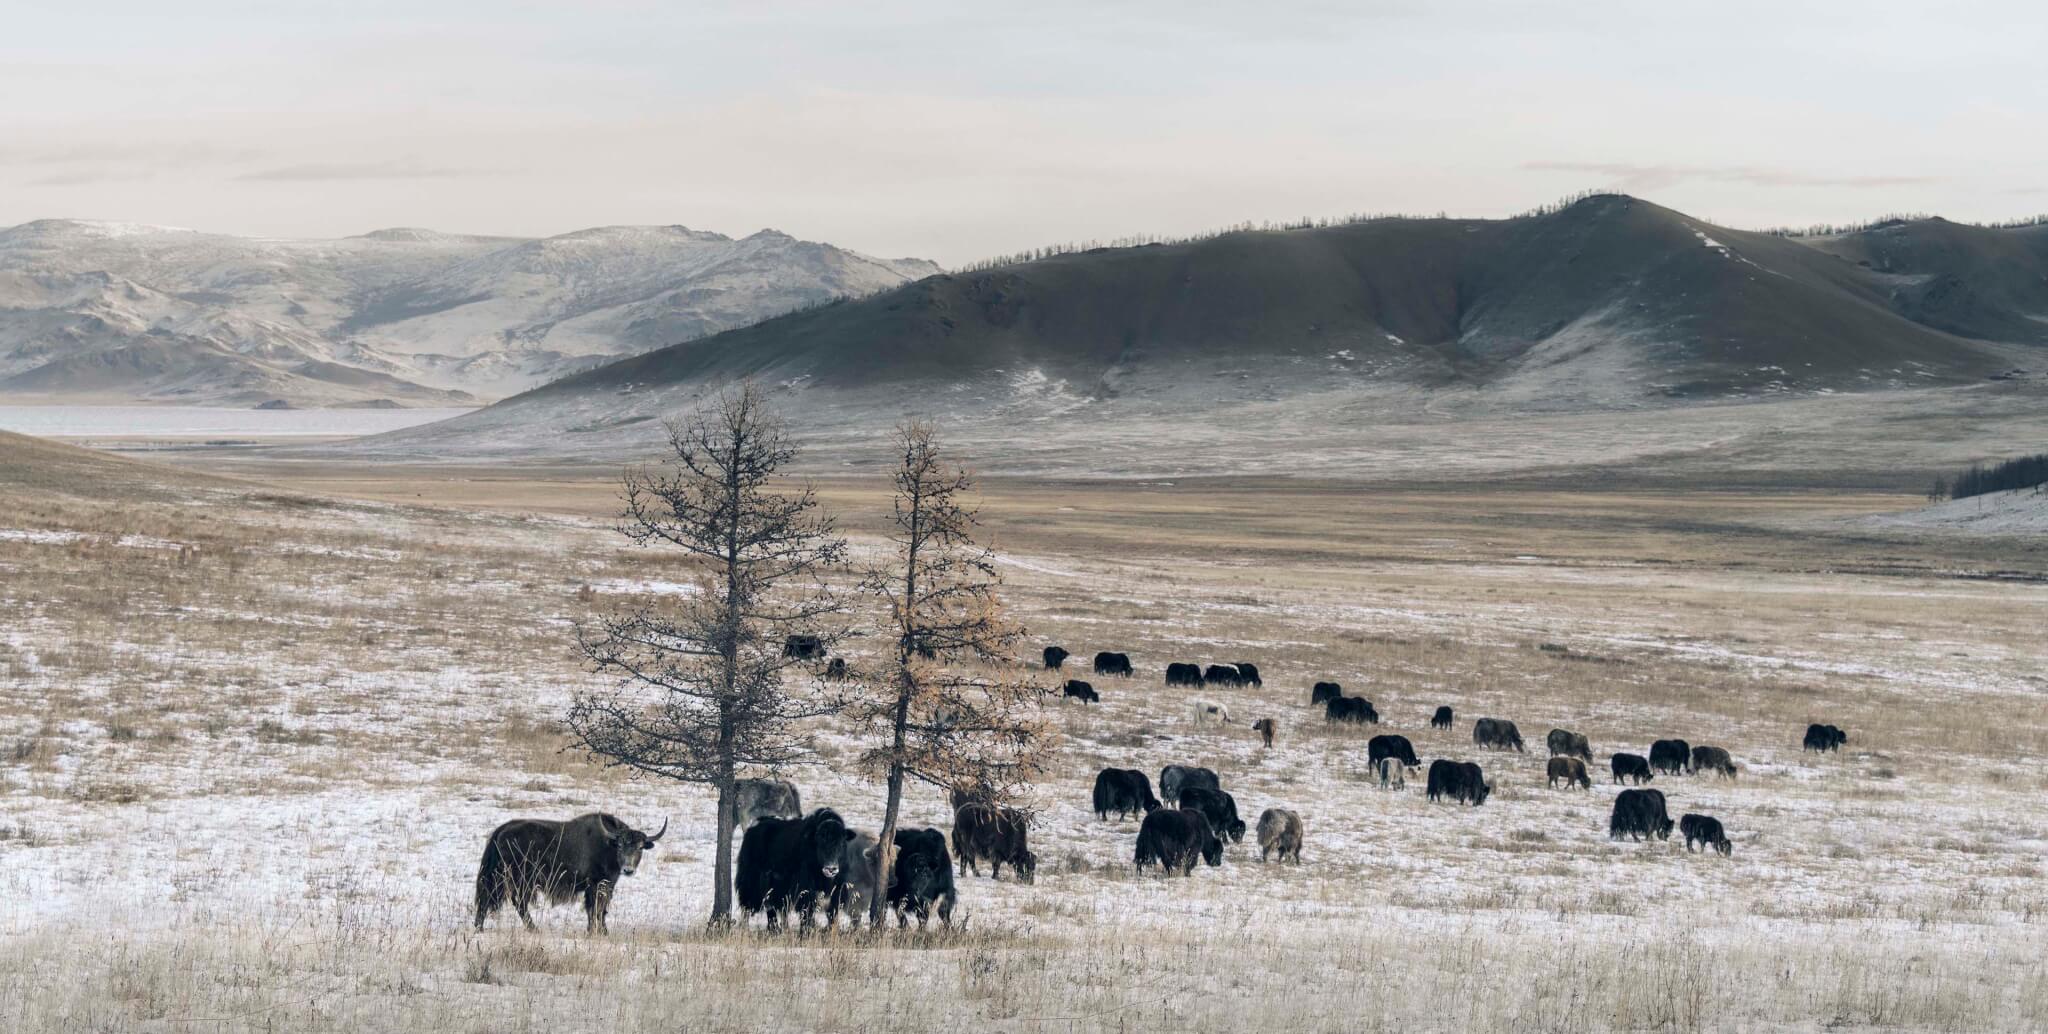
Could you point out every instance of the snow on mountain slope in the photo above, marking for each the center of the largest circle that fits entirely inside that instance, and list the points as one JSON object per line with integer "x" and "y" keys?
{"x": 136, "y": 312}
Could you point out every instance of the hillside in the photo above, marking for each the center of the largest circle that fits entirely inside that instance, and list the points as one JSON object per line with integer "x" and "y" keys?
{"x": 1611, "y": 304}
{"x": 121, "y": 312}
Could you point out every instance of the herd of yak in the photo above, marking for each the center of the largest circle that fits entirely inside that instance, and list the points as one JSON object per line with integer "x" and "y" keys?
{"x": 790, "y": 862}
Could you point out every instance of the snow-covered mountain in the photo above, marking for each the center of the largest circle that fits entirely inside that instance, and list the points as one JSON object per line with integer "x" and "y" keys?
{"x": 121, "y": 312}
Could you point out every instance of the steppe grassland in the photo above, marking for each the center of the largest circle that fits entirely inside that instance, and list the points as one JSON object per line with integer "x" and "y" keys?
{"x": 247, "y": 783}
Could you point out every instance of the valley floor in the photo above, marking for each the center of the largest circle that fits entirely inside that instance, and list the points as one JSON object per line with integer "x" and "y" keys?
{"x": 246, "y": 783}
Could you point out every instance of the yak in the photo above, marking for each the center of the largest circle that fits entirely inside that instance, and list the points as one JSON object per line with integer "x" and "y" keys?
{"x": 1267, "y": 728}
{"x": 1179, "y": 674}
{"x": 860, "y": 876}
{"x": 1569, "y": 743}
{"x": 1125, "y": 791}
{"x": 803, "y": 647}
{"x": 1460, "y": 781}
{"x": 791, "y": 864}
{"x": 559, "y": 860}
{"x": 921, "y": 877}
{"x": 985, "y": 832}
{"x": 1442, "y": 718}
{"x": 1222, "y": 675}
{"x": 1391, "y": 745}
{"x": 1107, "y": 663}
{"x": 1638, "y": 814}
{"x": 1175, "y": 778}
{"x": 1323, "y": 692}
{"x": 1208, "y": 709}
{"x": 1571, "y": 770}
{"x": 1081, "y": 691}
{"x": 1824, "y": 738}
{"x": 1350, "y": 709}
{"x": 1055, "y": 657}
{"x": 754, "y": 799}
{"x": 1713, "y": 759}
{"x": 1218, "y": 807}
{"x": 1631, "y": 766}
{"x": 1498, "y": 733}
{"x": 1280, "y": 830}
{"x": 1705, "y": 829}
{"x": 1671, "y": 756}
{"x": 1174, "y": 839}
{"x": 1393, "y": 774}
{"x": 1248, "y": 674}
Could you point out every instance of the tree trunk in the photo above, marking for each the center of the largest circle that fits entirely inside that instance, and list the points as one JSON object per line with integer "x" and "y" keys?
{"x": 721, "y": 868}
{"x": 885, "y": 851}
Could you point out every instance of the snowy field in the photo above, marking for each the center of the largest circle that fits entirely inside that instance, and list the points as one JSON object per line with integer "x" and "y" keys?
{"x": 247, "y": 783}
{"x": 206, "y": 422}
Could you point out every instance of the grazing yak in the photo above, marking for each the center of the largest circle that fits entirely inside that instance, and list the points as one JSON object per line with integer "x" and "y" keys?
{"x": 1280, "y": 831}
{"x": 1638, "y": 814}
{"x": 1055, "y": 657}
{"x": 1391, "y": 745}
{"x": 1460, "y": 781}
{"x": 755, "y": 799}
{"x": 1442, "y": 718}
{"x": 1571, "y": 770}
{"x": 803, "y": 647}
{"x": 1498, "y": 733}
{"x": 1713, "y": 759}
{"x": 1705, "y": 829}
{"x": 791, "y": 865}
{"x": 921, "y": 877}
{"x": 1175, "y": 778}
{"x": 1350, "y": 709}
{"x": 859, "y": 877}
{"x": 1205, "y": 710}
{"x": 1178, "y": 674}
{"x": 560, "y": 861}
{"x": 1267, "y": 728}
{"x": 1222, "y": 675}
{"x": 1568, "y": 743}
{"x": 1248, "y": 674}
{"x": 1125, "y": 791}
{"x": 1107, "y": 663}
{"x": 835, "y": 670}
{"x": 1824, "y": 738}
{"x": 1174, "y": 839}
{"x": 1081, "y": 691}
{"x": 987, "y": 833}
{"x": 1218, "y": 807}
{"x": 1671, "y": 756}
{"x": 1393, "y": 774}
{"x": 1323, "y": 692}
{"x": 1630, "y": 766}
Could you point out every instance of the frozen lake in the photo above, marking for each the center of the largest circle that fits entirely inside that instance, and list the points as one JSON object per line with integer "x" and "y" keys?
{"x": 203, "y": 422}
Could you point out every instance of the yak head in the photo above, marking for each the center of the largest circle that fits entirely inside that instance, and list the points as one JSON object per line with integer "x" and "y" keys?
{"x": 1212, "y": 850}
{"x": 923, "y": 866}
{"x": 629, "y": 843}
{"x": 1479, "y": 794}
{"x": 828, "y": 840}
{"x": 1026, "y": 865}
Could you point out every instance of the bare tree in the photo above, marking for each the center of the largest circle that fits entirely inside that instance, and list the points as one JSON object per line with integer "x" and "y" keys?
{"x": 701, "y": 692}
{"x": 948, "y": 702}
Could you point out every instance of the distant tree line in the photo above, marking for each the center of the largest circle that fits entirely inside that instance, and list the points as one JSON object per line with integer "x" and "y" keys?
{"x": 2009, "y": 476}
{"x": 1894, "y": 219}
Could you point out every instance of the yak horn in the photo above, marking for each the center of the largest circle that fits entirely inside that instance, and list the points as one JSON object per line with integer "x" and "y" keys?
{"x": 657, "y": 836}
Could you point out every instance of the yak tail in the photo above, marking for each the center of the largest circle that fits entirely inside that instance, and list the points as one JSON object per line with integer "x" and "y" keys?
{"x": 490, "y": 881}
{"x": 1102, "y": 801}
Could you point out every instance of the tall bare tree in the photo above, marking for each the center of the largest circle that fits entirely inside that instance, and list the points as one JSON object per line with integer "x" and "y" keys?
{"x": 701, "y": 690}
{"x": 948, "y": 702}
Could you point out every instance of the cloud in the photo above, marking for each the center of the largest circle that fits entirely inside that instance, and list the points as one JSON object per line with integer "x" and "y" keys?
{"x": 403, "y": 169}
{"x": 1661, "y": 177}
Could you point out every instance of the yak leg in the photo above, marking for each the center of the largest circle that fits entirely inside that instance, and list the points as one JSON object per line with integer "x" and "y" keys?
{"x": 521, "y": 901}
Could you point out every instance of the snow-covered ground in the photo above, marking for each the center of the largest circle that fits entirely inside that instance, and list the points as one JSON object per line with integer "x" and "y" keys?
{"x": 207, "y": 422}
{"x": 2023, "y": 512}
{"x": 248, "y": 784}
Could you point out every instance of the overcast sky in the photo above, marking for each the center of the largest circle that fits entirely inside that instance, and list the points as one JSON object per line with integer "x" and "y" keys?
{"x": 938, "y": 131}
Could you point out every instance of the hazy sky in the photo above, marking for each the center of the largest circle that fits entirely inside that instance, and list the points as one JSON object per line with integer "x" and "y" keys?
{"x": 939, "y": 131}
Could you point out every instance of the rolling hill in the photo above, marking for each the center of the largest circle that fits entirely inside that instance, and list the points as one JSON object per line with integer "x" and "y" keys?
{"x": 121, "y": 312}
{"x": 1610, "y": 304}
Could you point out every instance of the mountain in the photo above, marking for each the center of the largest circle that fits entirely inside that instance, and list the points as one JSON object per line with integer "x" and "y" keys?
{"x": 119, "y": 311}
{"x": 1608, "y": 304}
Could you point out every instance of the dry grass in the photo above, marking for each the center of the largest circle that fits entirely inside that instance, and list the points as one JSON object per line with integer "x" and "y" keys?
{"x": 305, "y": 723}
